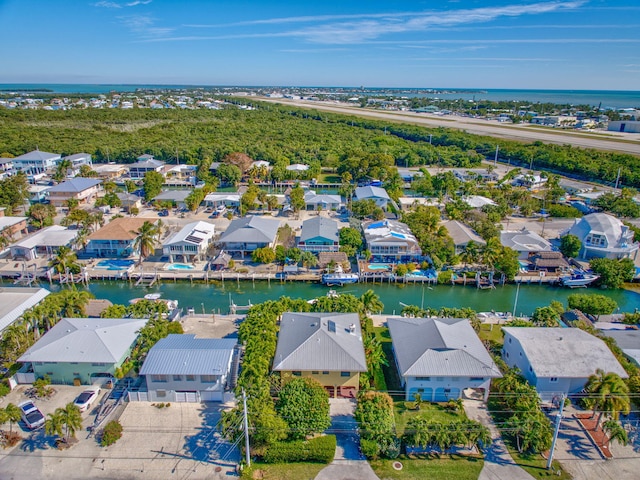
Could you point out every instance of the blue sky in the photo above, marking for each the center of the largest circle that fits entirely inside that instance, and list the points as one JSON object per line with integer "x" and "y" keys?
{"x": 575, "y": 44}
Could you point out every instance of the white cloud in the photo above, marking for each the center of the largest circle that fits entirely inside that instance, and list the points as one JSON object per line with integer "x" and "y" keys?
{"x": 108, "y": 4}
{"x": 144, "y": 26}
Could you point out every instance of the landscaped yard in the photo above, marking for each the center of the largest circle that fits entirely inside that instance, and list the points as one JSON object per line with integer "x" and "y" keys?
{"x": 391, "y": 377}
{"x": 329, "y": 178}
{"x": 418, "y": 468}
{"x": 404, "y": 411}
{"x": 284, "y": 471}
{"x": 491, "y": 332}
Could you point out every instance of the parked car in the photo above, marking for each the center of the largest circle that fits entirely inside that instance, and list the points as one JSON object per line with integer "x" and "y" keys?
{"x": 163, "y": 213}
{"x": 86, "y": 398}
{"x": 31, "y": 415}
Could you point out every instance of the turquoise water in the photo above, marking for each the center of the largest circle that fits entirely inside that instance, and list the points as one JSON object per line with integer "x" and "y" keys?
{"x": 114, "y": 264}
{"x": 378, "y": 266}
{"x": 180, "y": 266}
{"x": 215, "y": 296}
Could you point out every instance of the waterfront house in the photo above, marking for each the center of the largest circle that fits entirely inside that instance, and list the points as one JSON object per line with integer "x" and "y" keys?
{"x": 462, "y": 235}
{"x": 549, "y": 262}
{"x": 475, "y": 174}
{"x": 43, "y": 243}
{"x": 181, "y": 175}
{"x": 110, "y": 171}
{"x": 409, "y": 203}
{"x": 477, "y": 201}
{"x": 314, "y": 202}
{"x": 297, "y": 168}
{"x": 603, "y": 235}
{"x": 228, "y": 199}
{"x": 525, "y": 242}
{"x": 183, "y": 368}
{"x": 377, "y": 194}
{"x": 324, "y": 346}
{"x": 12, "y": 227}
{"x": 325, "y": 259}
{"x": 116, "y": 238}
{"x": 36, "y": 162}
{"x": 84, "y": 190}
{"x": 190, "y": 243}
{"x": 176, "y": 197}
{"x": 628, "y": 341}
{"x": 391, "y": 241}
{"x": 83, "y": 350}
{"x": 557, "y": 361}
{"x": 77, "y": 160}
{"x": 244, "y": 235}
{"x": 438, "y": 358}
{"x": 14, "y": 301}
{"x": 145, "y": 163}
{"x": 530, "y": 181}
{"x": 319, "y": 234}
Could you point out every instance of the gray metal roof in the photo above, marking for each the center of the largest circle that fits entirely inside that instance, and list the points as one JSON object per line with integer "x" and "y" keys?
{"x": 371, "y": 192}
{"x": 38, "y": 155}
{"x": 15, "y": 300}
{"x": 251, "y": 229}
{"x": 86, "y": 340}
{"x": 320, "y": 341}
{"x": 319, "y": 227}
{"x": 194, "y": 233}
{"x": 524, "y": 241}
{"x": 564, "y": 352}
{"x": 53, "y": 236}
{"x": 616, "y": 233}
{"x": 188, "y": 355}
{"x": 461, "y": 234}
{"x": 75, "y": 185}
{"x": 628, "y": 341}
{"x": 439, "y": 347}
{"x": 174, "y": 195}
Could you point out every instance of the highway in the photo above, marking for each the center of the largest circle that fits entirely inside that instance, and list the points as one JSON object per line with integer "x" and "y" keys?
{"x": 610, "y": 141}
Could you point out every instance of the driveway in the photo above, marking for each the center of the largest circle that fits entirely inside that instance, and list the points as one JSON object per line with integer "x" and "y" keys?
{"x": 348, "y": 463}
{"x": 498, "y": 463}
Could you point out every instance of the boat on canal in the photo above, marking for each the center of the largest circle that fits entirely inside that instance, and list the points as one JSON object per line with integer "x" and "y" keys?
{"x": 578, "y": 280}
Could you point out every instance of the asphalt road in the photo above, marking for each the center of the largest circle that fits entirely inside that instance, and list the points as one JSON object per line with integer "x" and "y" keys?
{"x": 611, "y": 141}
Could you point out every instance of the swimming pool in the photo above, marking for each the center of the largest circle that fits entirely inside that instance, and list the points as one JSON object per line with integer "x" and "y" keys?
{"x": 114, "y": 264}
{"x": 179, "y": 266}
{"x": 378, "y": 266}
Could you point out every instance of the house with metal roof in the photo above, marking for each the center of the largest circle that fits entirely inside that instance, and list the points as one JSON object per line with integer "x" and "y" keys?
{"x": 314, "y": 201}
{"x": 36, "y": 162}
{"x": 176, "y": 197}
{"x": 43, "y": 243}
{"x": 145, "y": 163}
{"x": 84, "y": 190}
{"x": 190, "y": 243}
{"x": 183, "y": 368}
{"x": 628, "y": 341}
{"x": 324, "y": 346}
{"x": 246, "y": 234}
{"x": 462, "y": 235}
{"x": 391, "y": 241}
{"x": 319, "y": 234}
{"x": 604, "y": 236}
{"x": 525, "y": 242}
{"x": 12, "y": 227}
{"x": 377, "y": 194}
{"x": 77, "y": 160}
{"x": 477, "y": 201}
{"x": 438, "y": 358}
{"x": 557, "y": 361}
{"x": 228, "y": 199}
{"x": 116, "y": 238}
{"x": 14, "y": 301}
{"x": 81, "y": 350}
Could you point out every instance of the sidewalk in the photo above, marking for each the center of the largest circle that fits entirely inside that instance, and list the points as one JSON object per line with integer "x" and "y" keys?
{"x": 498, "y": 463}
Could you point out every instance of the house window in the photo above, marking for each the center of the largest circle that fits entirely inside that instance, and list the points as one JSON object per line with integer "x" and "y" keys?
{"x": 345, "y": 374}
{"x": 208, "y": 378}
{"x": 177, "y": 378}
{"x": 158, "y": 378}
{"x": 191, "y": 378}
{"x": 439, "y": 379}
{"x": 296, "y": 374}
{"x": 314, "y": 372}
{"x": 476, "y": 379}
{"x": 73, "y": 363}
{"x": 76, "y": 374}
{"x": 161, "y": 393}
{"x": 98, "y": 364}
{"x": 325, "y": 372}
{"x": 506, "y": 354}
{"x": 423, "y": 379}
{"x": 553, "y": 379}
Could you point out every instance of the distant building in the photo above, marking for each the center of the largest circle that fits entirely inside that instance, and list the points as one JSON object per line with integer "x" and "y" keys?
{"x": 43, "y": 243}
{"x": 145, "y": 163}
{"x": 477, "y": 201}
{"x": 314, "y": 201}
{"x": 228, "y": 199}
{"x": 462, "y": 235}
{"x": 12, "y": 227}
{"x": 110, "y": 171}
{"x": 630, "y": 126}
{"x": 176, "y": 197}
{"x": 77, "y": 160}
{"x": 84, "y": 190}
{"x": 530, "y": 181}
{"x": 482, "y": 174}
{"x": 36, "y": 162}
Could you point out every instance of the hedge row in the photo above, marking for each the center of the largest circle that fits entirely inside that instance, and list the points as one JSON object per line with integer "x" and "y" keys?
{"x": 317, "y": 450}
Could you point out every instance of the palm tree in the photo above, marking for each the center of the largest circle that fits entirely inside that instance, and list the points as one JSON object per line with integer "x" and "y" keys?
{"x": 65, "y": 260}
{"x": 145, "y": 241}
{"x": 616, "y": 432}
{"x": 610, "y": 394}
{"x": 13, "y": 415}
{"x": 15, "y": 341}
{"x": 53, "y": 425}
{"x": 61, "y": 170}
{"x": 71, "y": 419}
{"x": 470, "y": 253}
{"x": 371, "y": 302}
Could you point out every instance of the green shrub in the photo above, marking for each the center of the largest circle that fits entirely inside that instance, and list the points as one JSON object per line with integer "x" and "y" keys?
{"x": 317, "y": 450}
{"x": 445, "y": 276}
{"x": 370, "y": 448}
{"x": 4, "y": 389}
{"x": 111, "y": 433}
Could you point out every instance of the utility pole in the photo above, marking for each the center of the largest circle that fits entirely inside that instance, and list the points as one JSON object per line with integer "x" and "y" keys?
{"x": 515, "y": 303}
{"x": 618, "y": 177}
{"x": 556, "y": 431}
{"x": 246, "y": 429}
{"x": 495, "y": 160}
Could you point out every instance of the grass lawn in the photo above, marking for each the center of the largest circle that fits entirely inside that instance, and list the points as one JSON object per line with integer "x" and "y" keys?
{"x": 492, "y": 334}
{"x": 284, "y": 471}
{"x": 390, "y": 372}
{"x": 421, "y": 467}
{"x": 404, "y": 411}
{"x": 329, "y": 178}
{"x": 536, "y": 465}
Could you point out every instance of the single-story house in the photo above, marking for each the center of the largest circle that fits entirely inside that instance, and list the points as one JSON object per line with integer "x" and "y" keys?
{"x": 557, "y": 361}
{"x": 244, "y": 235}
{"x": 183, "y": 368}
{"x": 14, "y": 301}
{"x": 324, "y": 346}
{"x": 95, "y": 307}
{"x": 438, "y": 358}
{"x": 12, "y": 227}
{"x": 408, "y": 203}
{"x": 82, "y": 350}
{"x": 176, "y": 197}
{"x": 477, "y": 201}
{"x": 603, "y": 235}
{"x": 462, "y": 235}
{"x": 115, "y": 239}
{"x": 628, "y": 341}
{"x": 228, "y": 199}
{"x": 319, "y": 234}
{"x": 84, "y": 190}
{"x": 337, "y": 258}
{"x": 145, "y": 163}
{"x": 297, "y": 167}
{"x": 45, "y": 242}
{"x": 525, "y": 242}
{"x": 377, "y": 194}
{"x": 190, "y": 243}
{"x": 313, "y": 201}
{"x": 110, "y": 171}
{"x": 391, "y": 241}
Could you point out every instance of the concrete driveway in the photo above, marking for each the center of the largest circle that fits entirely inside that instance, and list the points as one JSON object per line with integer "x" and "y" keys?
{"x": 348, "y": 463}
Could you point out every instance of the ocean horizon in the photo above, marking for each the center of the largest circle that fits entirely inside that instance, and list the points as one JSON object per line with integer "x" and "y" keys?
{"x": 614, "y": 99}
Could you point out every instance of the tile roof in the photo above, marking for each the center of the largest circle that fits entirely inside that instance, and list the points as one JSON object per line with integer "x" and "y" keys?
{"x": 120, "y": 229}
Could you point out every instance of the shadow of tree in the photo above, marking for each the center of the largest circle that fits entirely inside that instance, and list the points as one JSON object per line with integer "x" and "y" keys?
{"x": 38, "y": 441}
{"x": 207, "y": 445}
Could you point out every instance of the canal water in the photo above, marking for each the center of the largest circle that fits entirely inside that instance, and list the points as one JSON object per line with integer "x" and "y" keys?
{"x": 216, "y": 296}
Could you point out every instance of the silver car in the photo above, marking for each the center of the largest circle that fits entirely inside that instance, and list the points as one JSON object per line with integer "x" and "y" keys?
{"x": 31, "y": 415}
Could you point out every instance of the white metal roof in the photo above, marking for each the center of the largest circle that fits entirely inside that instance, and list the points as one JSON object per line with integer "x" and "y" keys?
{"x": 194, "y": 233}
{"x": 53, "y": 236}
{"x": 15, "y": 300}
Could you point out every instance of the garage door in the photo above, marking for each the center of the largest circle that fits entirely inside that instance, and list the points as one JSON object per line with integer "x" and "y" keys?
{"x": 207, "y": 396}
{"x": 446, "y": 394}
{"x": 181, "y": 396}
{"x": 191, "y": 397}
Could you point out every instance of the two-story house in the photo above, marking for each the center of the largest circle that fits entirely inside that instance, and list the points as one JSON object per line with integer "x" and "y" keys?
{"x": 190, "y": 243}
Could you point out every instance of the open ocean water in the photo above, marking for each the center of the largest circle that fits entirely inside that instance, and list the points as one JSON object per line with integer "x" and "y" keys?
{"x": 606, "y": 98}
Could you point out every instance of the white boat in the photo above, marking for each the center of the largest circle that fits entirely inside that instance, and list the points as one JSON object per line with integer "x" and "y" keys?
{"x": 576, "y": 280}
{"x": 152, "y": 296}
{"x": 339, "y": 279}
